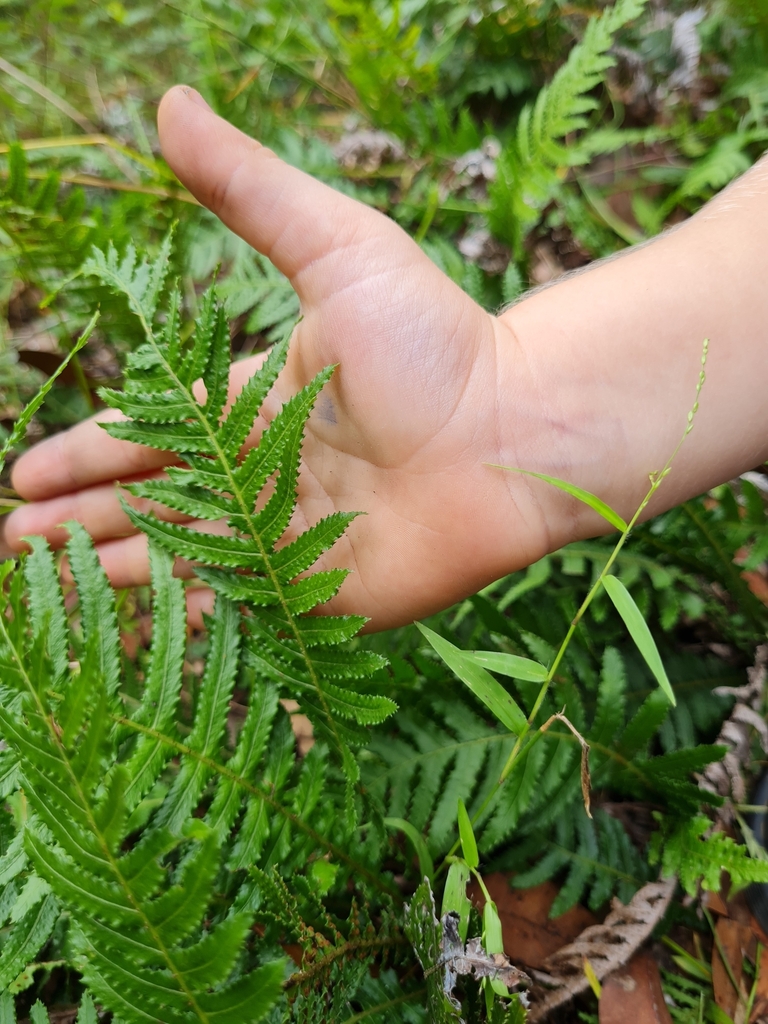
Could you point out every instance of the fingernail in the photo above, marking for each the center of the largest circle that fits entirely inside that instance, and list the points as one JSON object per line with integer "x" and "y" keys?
{"x": 195, "y": 96}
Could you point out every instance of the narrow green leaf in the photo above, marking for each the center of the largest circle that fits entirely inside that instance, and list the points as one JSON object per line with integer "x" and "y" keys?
{"x": 190, "y": 500}
{"x": 171, "y": 407}
{"x": 467, "y": 836}
{"x": 248, "y": 999}
{"x": 595, "y": 503}
{"x": 272, "y": 521}
{"x": 639, "y": 631}
{"x": 7, "y": 1008}
{"x": 302, "y": 553}
{"x": 46, "y": 603}
{"x": 240, "y": 419}
{"x": 87, "y": 1012}
{"x": 166, "y": 437}
{"x": 508, "y": 665}
{"x": 480, "y": 682}
{"x": 455, "y": 896}
{"x": 27, "y": 938}
{"x": 426, "y": 865}
{"x": 19, "y": 431}
{"x": 213, "y": 956}
{"x": 196, "y": 545}
{"x": 164, "y": 676}
{"x": 38, "y": 1014}
{"x": 97, "y": 605}
{"x": 210, "y": 718}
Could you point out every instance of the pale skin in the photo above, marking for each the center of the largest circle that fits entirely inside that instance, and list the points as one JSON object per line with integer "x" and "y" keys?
{"x": 589, "y": 380}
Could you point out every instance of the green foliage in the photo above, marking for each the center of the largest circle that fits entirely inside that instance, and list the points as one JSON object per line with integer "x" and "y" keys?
{"x": 284, "y": 644}
{"x": 426, "y": 936}
{"x": 336, "y": 955}
{"x": 699, "y": 855}
{"x": 529, "y": 169}
{"x": 133, "y": 907}
{"x": 440, "y": 77}
{"x": 598, "y": 856}
{"x": 255, "y": 287}
{"x": 42, "y": 231}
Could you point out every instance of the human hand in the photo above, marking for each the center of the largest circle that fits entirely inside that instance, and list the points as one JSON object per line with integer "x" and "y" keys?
{"x": 429, "y": 389}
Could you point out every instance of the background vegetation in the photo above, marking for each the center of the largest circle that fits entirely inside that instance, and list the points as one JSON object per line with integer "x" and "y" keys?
{"x": 418, "y": 108}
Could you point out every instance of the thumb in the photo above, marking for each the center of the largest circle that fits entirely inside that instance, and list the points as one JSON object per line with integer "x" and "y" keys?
{"x": 300, "y": 224}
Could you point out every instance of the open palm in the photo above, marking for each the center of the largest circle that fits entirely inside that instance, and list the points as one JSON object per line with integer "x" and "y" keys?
{"x": 418, "y": 405}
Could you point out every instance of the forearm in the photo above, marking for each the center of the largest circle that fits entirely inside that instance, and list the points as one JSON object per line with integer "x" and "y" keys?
{"x": 621, "y": 344}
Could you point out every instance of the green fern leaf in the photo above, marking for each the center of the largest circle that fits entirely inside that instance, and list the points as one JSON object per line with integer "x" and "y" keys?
{"x": 27, "y": 937}
{"x": 216, "y": 484}
{"x": 210, "y": 718}
{"x": 682, "y": 847}
{"x": 136, "y": 919}
{"x": 528, "y": 171}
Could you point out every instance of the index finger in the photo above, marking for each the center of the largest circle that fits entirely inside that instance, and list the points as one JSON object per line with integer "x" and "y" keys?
{"x": 80, "y": 457}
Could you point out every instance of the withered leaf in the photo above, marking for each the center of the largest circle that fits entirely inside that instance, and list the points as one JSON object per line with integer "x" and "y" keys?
{"x": 473, "y": 959}
{"x": 607, "y": 946}
{"x": 443, "y": 956}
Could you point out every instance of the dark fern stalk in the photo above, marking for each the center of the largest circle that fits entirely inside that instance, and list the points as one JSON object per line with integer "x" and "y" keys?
{"x": 297, "y": 651}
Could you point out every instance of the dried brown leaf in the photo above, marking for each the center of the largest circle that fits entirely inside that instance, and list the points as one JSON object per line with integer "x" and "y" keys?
{"x": 608, "y": 946}
{"x": 586, "y": 781}
{"x": 726, "y": 777}
{"x": 734, "y": 943}
{"x": 459, "y": 959}
{"x": 634, "y": 994}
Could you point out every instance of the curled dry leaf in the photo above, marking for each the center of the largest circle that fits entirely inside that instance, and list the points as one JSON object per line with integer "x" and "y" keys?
{"x": 726, "y": 777}
{"x": 586, "y": 781}
{"x": 607, "y": 946}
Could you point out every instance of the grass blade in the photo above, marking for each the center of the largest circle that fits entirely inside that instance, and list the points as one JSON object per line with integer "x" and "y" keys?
{"x": 638, "y": 630}
{"x": 480, "y": 682}
{"x": 586, "y": 497}
{"x": 19, "y": 431}
{"x": 426, "y": 864}
{"x": 508, "y": 665}
{"x": 467, "y": 836}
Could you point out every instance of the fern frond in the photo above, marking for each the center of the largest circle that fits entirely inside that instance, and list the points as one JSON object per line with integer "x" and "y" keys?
{"x": 137, "y": 918}
{"x": 531, "y": 165}
{"x": 256, "y": 288}
{"x": 684, "y": 848}
{"x": 285, "y": 644}
{"x": 600, "y": 861}
{"x": 336, "y": 954}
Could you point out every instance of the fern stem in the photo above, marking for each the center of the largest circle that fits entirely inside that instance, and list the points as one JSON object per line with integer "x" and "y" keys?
{"x": 338, "y": 952}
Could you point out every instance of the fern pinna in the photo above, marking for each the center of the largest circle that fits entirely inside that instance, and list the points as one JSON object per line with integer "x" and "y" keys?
{"x": 284, "y": 644}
